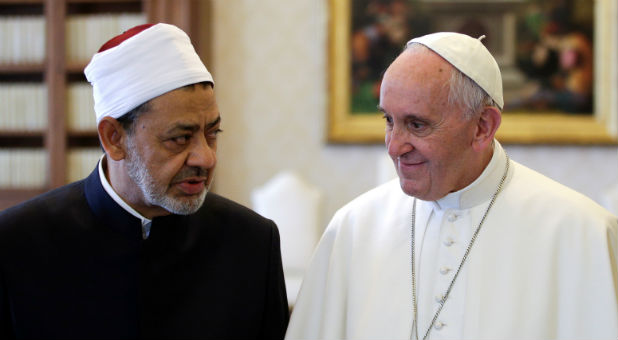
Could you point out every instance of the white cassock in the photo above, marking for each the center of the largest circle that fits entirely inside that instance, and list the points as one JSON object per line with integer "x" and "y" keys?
{"x": 544, "y": 265}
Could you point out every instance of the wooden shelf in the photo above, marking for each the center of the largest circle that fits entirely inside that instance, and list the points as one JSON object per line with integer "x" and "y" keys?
{"x": 25, "y": 140}
{"x": 109, "y": 6}
{"x": 21, "y": 2}
{"x": 18, "y": 69}
{"x": 57, "y": 74}
{"x": 102, "y": 1}
{"x": 19, "y": 7}
{"x": 83, "y": 133}
{"x": 10, "y": 197}
{"x": 25, "y": 133}
{"x": 83, "y": 139}
{"x": 76, "y": 67}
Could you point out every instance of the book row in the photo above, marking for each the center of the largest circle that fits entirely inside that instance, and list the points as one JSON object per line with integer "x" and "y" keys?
{"x": 80, "y": 107}
{"x": 22, "y": 38}
{"x": 25, "y": 168}
{"x": 23, "y": 106}
{"x": 81, "y": 162}
{"x": 86, "y": 33}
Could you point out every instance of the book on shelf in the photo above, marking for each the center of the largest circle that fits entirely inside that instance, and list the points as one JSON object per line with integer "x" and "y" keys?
{"x": 23, "y": 106}
{"x": 85, "y": 33}
{"x": 23, "y": 168}
{"x": 81, "y": 162}
{"x": 80, "y": 108}
{"x": 22, "y": 39}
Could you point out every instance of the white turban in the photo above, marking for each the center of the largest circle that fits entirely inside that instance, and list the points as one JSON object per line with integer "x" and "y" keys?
{"x": 140, "y": 64}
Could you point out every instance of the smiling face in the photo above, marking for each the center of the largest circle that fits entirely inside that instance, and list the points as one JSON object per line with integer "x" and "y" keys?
{"x": 171, "y": 152}
{"x": 428, "y": 140}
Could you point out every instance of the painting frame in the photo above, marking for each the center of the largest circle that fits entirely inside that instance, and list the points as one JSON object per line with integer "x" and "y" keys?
{"x": 600, "y": 128}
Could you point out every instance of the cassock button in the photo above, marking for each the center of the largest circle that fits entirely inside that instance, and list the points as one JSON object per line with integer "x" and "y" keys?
{"x": 448, "y": 242}
{"x": 439, "y": 298}
{"x": 445, "y": 270}
{"x": 452, "y": 217}
{"x": 439, "y": 325}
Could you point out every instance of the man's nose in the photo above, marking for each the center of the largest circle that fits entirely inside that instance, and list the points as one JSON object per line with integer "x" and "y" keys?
{"x": 202, "y": 154}
{"x": 397, "y": 142}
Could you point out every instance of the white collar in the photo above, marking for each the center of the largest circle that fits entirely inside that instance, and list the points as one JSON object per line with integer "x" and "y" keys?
{"x": 110, "y": 191}
{"x": 480, "y": 190}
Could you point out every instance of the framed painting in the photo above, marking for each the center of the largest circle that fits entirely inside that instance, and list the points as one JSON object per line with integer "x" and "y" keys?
{"x": 557, "y": 61}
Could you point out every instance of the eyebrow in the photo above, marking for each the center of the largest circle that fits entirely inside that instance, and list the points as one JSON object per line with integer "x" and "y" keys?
{"x": 192, "y": 127}
{"x": 213, "y": 123}
{"x": 406, "y": 116}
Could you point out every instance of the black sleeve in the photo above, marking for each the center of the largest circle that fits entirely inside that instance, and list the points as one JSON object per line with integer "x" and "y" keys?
{"x": 6, "y": 328}
{"x": 276, "y": 310}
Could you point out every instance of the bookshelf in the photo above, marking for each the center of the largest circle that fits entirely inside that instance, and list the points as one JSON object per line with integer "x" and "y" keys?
{"x": 47, "y": 132}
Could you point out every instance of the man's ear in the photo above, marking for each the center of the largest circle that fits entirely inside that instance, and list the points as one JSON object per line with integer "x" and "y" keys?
{"x": 486, "y": 127}
{"x": 113, "y": 138}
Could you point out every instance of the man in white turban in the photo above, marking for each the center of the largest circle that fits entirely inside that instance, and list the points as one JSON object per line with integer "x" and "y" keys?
{"x": 140, "y": 248}
{"x": 466, "y": 244}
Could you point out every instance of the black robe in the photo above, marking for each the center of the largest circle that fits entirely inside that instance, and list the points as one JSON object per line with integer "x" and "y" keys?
{"x": 73, "y": 264}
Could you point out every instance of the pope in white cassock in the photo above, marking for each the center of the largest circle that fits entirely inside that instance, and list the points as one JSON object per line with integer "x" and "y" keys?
{"x": 467, "y": 244}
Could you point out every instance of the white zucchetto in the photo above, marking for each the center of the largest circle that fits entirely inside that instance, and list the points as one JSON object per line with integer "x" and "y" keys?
{"x": 469, "y": 56}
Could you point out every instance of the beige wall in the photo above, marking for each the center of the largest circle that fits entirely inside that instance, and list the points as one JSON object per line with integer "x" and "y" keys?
{"x": 269, "y": 63}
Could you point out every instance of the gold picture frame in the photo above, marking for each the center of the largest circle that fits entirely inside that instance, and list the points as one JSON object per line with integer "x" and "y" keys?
{"x": 600, "y": 128}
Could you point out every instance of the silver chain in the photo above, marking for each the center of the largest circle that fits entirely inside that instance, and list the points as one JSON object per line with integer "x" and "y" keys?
{"x": 463, "y": 260}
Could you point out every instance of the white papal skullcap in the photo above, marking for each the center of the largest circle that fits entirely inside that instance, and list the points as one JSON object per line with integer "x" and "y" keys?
{"x": 142, "y": 63}
{"x": 469, "y": 56}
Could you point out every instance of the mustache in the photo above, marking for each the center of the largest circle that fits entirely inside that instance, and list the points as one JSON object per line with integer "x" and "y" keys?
{"x": 188, "y": 172}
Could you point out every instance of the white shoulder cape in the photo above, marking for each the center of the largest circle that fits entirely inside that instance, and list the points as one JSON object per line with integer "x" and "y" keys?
{"x": 543, "y": 267}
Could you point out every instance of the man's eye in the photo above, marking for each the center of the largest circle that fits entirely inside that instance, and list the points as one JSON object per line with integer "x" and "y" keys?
{"x": 388, "y": 119}
{"x": 417, "y": 125}
{"x": 419, "y": 128}
{"x": 214, "y": 133}
{"x": 181, "y": 139}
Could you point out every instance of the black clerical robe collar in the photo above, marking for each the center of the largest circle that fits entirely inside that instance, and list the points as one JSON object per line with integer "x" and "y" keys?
{"x": 107, "y": 211}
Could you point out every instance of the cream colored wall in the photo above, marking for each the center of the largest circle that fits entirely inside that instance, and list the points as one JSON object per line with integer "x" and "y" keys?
{"x": 269, "y": 63}
{"x": 270, "y": 73}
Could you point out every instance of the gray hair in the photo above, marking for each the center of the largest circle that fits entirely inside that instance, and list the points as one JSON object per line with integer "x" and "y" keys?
{"x": 463, "y": 91}
{"x": 127, "y": 121}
